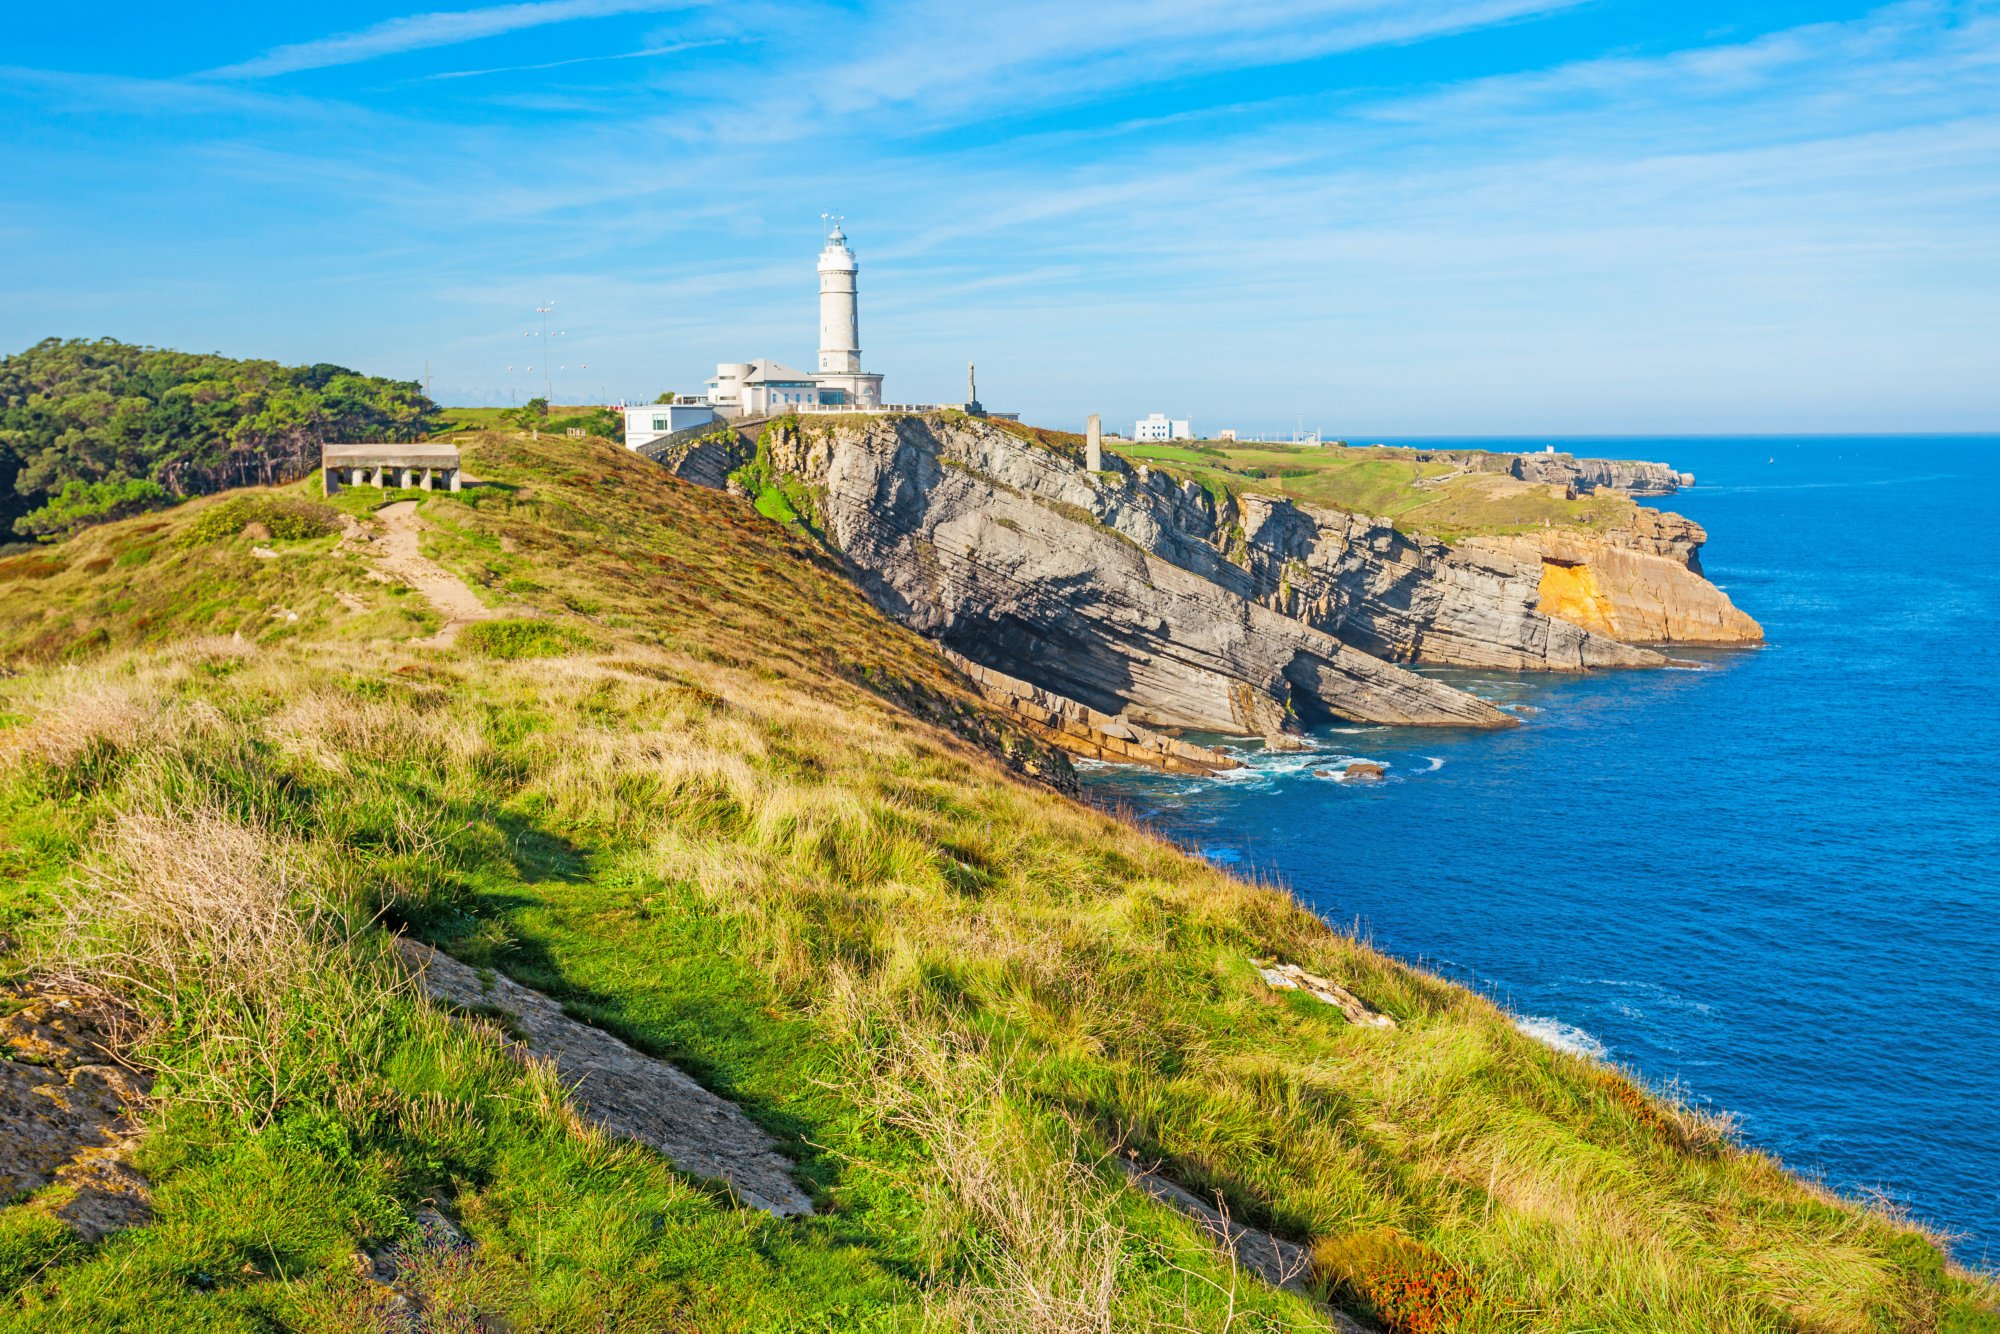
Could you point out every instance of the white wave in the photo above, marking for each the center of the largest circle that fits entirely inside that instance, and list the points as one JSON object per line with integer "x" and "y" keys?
{"x": 1563, "y": 1037}
{"x": 1436, "y": 764}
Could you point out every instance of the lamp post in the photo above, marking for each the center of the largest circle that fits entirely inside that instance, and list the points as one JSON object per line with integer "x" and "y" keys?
{"x": 548, "y": 348}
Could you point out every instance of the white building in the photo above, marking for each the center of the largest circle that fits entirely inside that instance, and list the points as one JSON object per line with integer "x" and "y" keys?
{"x": 647, "y": 423}
{"x": 764, "y": 387}
{"x": 1156, "y": 426}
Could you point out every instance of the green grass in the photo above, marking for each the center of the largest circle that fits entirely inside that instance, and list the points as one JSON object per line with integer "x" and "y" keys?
{"x": 746, "y": 823}
{"x": 510, "y": 640}
{"x": 1415, "y": 495}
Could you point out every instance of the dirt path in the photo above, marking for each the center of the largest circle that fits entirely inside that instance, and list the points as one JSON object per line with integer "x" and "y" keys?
{"x": 627, "y": 1092}
{"x": 399, "y": 556}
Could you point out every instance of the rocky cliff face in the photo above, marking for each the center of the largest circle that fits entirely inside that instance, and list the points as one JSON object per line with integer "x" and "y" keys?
{"x": 1641, "y": 583}
{"x": 1388, "y": 594}
{"x": 1124, "y": 594}
{"x": 1584, "y": 475}
{"x": 1030, "y": 584}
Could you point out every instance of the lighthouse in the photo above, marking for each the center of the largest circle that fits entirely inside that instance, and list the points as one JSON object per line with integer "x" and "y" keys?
{"x": 761, "y": 387}
{"x": 840, "y": 377}
{"x": 839, "y": 318}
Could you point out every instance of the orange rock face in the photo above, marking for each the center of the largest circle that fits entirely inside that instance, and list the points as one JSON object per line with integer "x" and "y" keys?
{"x": 1641, "y": 583}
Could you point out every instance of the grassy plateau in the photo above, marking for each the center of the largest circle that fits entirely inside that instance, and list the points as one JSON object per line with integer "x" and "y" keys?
{"x": 1417, "y": 495}
{"x": 691, "y": 784}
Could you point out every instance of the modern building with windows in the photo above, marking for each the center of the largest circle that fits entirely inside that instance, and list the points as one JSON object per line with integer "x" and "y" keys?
{"x": 648, "y": 422}
{"x": 1157, "y": 426}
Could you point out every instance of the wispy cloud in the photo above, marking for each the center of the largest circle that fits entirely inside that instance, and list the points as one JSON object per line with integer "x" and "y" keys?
{"x": 418, "y": 32}
{"x": 925, "y": 64}
{"x": 1118, "y": 204}
{"x": 672, "y": 48}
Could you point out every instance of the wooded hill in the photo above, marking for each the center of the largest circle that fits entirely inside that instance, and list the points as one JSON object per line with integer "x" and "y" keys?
{"x": 96, "y": 429}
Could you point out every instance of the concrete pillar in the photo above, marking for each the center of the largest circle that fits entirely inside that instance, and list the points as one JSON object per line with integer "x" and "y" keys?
{"x": 375, "y": 478}
{"x": 454, "y": 479}
{"x": 354, "y": 476}
{"x": 1093, "y": 443}
{"x": 409, "y": 479}
{"x": 331, "y": 478}
{"x": 427, "y": 479}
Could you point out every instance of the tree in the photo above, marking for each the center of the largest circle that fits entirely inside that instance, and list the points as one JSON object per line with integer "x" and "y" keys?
{"x": 99, "y": 411}
{"x": 82, "y": 504}
{"x": 667, "y": 397}
{"x": 531, "y": 414}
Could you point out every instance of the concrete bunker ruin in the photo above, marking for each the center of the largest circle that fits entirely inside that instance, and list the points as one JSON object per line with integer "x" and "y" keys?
{"x": 389, "y": 466}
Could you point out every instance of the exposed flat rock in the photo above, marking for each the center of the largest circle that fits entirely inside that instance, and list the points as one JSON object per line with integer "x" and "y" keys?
{"x": 1291, "y": 977}
{"x": 626, "y": 1092}
{"x": 1281, "y": 1263}
{"x": 68, "y": 1108}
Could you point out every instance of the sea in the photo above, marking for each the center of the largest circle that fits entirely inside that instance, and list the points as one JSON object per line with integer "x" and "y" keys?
{"x": 1768, "y": 877}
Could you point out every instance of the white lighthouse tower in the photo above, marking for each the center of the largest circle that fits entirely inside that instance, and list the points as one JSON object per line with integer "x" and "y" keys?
{"x": 840, "y": 377}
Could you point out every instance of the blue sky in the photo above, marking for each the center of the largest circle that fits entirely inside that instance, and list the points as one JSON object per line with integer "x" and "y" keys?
{"x": 1375, "y": 216}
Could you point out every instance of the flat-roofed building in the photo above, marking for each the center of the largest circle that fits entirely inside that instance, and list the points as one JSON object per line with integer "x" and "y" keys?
{"x": 647, "y": 423}
{"x": 389, "y": 465}
{"x": 1158, "y": 426}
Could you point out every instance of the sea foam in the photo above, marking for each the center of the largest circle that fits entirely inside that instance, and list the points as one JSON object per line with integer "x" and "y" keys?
{"x": 1563, "y": 1037}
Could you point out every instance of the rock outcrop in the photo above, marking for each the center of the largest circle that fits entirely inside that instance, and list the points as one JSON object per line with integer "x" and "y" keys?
{"x": 68, "y": 1108}
{"x": 627, "y": 1093}
{"x": 1084, "y": 731}
{"x": 1631, "y": 476}
{"x": 969, "y": 535}
{"x": 1640, "y": 582}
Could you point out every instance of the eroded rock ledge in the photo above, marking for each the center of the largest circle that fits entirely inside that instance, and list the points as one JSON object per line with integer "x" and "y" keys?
{"x": 628, "y": 1093}
{"x": 1084, "y": 731}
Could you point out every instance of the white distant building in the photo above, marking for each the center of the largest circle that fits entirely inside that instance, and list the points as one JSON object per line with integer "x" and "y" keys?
{"x": 1157, "y": 426}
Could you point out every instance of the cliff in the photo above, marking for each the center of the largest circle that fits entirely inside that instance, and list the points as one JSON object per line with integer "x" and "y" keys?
{"x": 1631, "y": 476}
{"x": 992, "y": 545}
{"x": 1131, "y": 592}
{"x": 1640, "y": 582}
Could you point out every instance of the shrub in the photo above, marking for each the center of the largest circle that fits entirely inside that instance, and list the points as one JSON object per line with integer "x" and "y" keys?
{"x": 512, "y": 639}
{"x": 82, "y": 504}
{"x": 287, "y": 520}
{"x": 1405, "y": 1284}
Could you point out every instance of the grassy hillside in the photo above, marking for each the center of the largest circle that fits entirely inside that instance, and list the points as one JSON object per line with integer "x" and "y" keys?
{"x": 694, "y": 786}
{"x": 1416, "y": 496}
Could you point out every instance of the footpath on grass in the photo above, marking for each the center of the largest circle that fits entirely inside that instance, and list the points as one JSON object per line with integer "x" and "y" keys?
{"x": 401, "y": 557}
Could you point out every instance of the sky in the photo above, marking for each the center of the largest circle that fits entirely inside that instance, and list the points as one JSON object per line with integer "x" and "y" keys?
{"x": 1362, "y": 216}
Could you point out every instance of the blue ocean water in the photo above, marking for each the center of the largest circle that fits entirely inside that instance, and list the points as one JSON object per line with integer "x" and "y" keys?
{"x": 1773, "y": 876}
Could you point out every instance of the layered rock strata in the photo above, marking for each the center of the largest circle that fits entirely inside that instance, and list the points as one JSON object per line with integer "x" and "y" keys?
{"x": 1640, "y": 582}
{"x": 1084, "y": 731}
{"x": 967, "y": 534}
{"x": 1124, "y": 593}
